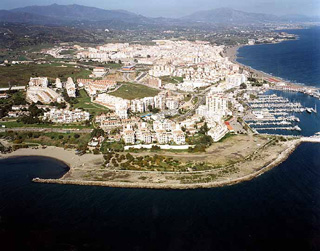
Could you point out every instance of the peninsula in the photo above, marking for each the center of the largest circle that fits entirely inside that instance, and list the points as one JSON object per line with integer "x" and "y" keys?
{"x": 170, "y": 114}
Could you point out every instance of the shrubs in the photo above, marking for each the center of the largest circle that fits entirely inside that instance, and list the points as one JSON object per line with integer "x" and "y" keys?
{"x": 197, "y": 148}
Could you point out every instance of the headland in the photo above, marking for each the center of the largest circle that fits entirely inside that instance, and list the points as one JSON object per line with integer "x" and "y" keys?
{"x": 88, "y": 169}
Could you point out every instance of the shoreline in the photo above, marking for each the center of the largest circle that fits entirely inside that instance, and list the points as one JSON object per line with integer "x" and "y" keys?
{"x": 232, "y": 53}
{"x": 87, "y": 161}
{"x": 68, "y": 157}
{"x": 281, "y": 158}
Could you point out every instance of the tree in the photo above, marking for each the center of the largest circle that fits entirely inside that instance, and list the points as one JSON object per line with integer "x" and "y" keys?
{"x": 34, "y": 111}
{"x": 155, "y": 110}
{"x": 129, "y": 157}
{"x": 243, "y": 86}
{"x": 97, "y": 132}
{"x": 204, "y": 129}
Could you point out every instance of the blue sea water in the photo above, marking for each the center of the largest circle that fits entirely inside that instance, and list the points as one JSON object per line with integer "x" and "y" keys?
{"x": 279, "y": 210}
{"x": 295, "y": 60}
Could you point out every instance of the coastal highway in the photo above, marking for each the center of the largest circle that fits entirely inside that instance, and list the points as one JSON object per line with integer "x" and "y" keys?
{"x": 45, "y": 130}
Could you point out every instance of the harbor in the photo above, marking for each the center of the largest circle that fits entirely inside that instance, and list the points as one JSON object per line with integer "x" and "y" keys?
{"x": 275, "y": 114}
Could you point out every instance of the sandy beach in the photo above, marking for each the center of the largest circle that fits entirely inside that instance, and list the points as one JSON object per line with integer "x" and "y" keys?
{"x": 88, "y": 169}
{"x": 156, "y": 180}
{"x": 232, "y": 53}
{"x": 69, "y": 157}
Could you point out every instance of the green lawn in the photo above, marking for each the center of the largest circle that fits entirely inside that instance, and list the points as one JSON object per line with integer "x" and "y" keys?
{"x": 49, "y": 139}
{"x": 132, "y": 91}
{"x": 20, "y": 74}
{"x": 15, "y": 124}
{"x": 86, "y": 104}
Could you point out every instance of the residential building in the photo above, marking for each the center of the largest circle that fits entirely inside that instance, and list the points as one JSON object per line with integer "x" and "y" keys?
{"x": 38, "y": 82}
{"x": 71, "y": 88}
{"x": 129, "y": 135}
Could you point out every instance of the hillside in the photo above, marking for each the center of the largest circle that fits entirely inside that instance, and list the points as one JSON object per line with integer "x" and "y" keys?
{"x": 226, "y": 15}
{"x": 76, "y": 12}
{"x": 23, "y": 17}
{"x": 91, "y": 17}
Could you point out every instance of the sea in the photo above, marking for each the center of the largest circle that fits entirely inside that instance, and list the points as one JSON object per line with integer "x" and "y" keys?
{"x": 279, "y": 210}
{"x": 297, "y": 61}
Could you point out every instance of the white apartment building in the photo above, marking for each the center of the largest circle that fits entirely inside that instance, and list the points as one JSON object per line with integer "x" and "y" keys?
{"x": 163, "y": 137}
{"x": 42, "y": 94}
{"x": 160, "y": 102}
{"x": 165, "y": 124}
{"x": 38, "y": 82}
{"x": 58, "y": 83}
{"x": 218, "y": 131}
{"x": 99, "y": 72}
{"x": 216, "y": 104}
{"x": 129, "y": 135}
{"x": 66, "y": 116}
{"x": 144, "y": 135}
{"x": 178, "y": 136}
{"x": 161, "y": 70}
{"x": 71, "y": 88}
{"x": 137, "y": 106}
{"x": 236, "y": 80}
{"x": 121, "y": 110}
{"x": 172, "y": 103}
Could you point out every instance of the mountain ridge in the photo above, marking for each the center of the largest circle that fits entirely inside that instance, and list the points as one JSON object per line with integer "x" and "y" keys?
{"x": 75, "y": 14}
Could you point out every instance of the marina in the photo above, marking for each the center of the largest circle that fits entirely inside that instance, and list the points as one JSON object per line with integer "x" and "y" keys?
{"x": 272, "y": 112}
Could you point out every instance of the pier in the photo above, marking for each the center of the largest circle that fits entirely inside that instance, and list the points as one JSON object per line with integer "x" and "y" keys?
{"x": 290, "y": 128}
{"x": 272, "y": 112}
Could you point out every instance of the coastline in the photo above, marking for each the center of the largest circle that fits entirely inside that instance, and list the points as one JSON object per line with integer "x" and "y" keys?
{"x": 252, "y": 168}
{"x": 88, "y": 161}
{"x": 228, "y": 182}
{"x": 232, "y": 53}
{"x": 68, "y": 157}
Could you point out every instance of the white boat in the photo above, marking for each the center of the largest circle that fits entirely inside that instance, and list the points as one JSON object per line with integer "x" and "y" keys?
{"x": 297, "y": 128}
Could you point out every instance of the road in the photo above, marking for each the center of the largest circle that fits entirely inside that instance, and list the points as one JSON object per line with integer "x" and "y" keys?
{"x": 201, "y": 101}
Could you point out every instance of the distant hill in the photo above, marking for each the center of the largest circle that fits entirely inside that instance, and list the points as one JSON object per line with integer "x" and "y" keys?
{"x": 227, "y": 15}
{"x": 79, "y": 15}
{"x": 231, "y": 16}
{"x": 76, "y": 12}
{"x": 11, "y": 17}
{"x": 72, "y": 15}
